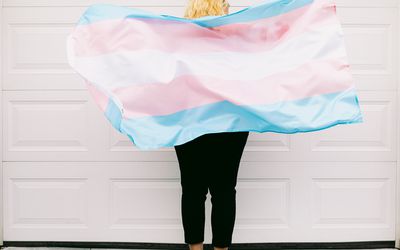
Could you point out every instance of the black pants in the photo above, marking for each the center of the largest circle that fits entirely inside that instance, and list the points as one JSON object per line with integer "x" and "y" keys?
{"x": 210, "y": 161}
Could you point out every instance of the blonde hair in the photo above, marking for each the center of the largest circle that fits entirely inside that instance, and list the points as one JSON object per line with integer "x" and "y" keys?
{"x": 199, "y": 8}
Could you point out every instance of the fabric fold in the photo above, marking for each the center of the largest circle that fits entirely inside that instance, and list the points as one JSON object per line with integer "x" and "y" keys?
{"x": 277, "y": 66}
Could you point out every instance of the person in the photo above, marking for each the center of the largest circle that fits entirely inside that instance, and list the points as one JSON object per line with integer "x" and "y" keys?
{"x": 210, "y": 161}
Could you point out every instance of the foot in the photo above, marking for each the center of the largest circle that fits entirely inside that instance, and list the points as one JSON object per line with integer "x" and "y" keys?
{"x": 197, "y": 246}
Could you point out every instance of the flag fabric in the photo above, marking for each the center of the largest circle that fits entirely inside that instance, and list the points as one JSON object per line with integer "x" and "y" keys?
{"x": 277, "y": 66}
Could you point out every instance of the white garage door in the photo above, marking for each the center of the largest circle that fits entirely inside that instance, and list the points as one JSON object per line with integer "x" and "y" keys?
{"x": 69, "y": 176}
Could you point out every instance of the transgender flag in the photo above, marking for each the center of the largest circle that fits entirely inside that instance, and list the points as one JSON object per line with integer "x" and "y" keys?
{"x": 277, "y": 66}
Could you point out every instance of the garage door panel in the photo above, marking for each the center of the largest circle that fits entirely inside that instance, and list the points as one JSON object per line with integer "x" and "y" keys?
{"x": 65, "y": 126}
{"x": 153, "y": 208}
{"x": 344, "y": 201}
{"x": 92, "y": 201}
{"x": 30, "y": 33}
{"x": 371, "y": 40}
{"x": 44, "y": 125}
{"x": 35, "y": 56}
{"x": 107, "y": 201}
{"x": 56, "y": 125}
{"x": 35, "y": 48}
{"x": 351, "y": 200}
{"x": 372, "y": 140}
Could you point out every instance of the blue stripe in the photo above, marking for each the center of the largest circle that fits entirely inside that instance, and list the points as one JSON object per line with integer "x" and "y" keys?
{"x": 113, "y": 114}
{"x": 268, "y": 8}
{"x": 304, "y": 115}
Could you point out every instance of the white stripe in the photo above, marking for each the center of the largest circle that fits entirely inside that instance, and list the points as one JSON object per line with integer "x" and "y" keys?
{"x": 125, "y": 68}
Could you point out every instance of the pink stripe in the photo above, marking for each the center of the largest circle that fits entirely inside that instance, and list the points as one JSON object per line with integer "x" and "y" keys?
{"x": 99, "y": 97}
{"x": 189, "y": 91}
{"x": 144, "y": 33}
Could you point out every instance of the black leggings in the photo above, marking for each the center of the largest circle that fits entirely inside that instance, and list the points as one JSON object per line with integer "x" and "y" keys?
{"x": 210, "y": 161}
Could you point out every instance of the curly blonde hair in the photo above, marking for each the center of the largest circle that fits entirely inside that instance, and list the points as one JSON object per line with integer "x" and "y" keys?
{"x": 199, "y": 8}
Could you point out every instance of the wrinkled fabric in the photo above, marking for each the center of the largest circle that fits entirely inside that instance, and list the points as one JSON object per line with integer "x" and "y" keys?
{"x": 278, "y": 66}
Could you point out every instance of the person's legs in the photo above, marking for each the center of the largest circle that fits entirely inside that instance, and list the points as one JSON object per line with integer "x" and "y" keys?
{"x": 194, "y": 189}
{"x": 226, "y": 150}
{"x": 210, "y": 161}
